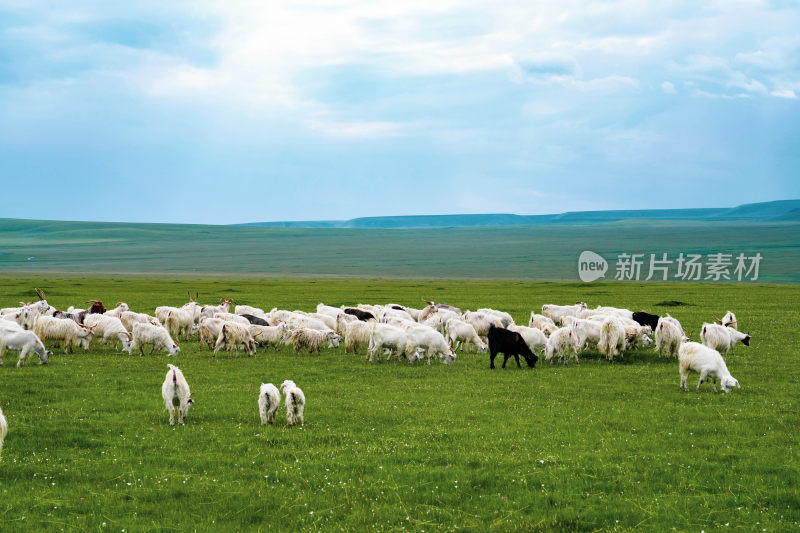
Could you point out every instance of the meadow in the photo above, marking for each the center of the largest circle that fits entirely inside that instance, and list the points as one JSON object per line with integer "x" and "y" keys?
{"x": 393, "y": 446}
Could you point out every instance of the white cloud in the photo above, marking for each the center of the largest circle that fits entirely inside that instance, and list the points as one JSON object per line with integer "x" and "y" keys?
{"x": 784, "y": 93}
{"x": 668, "y": 87}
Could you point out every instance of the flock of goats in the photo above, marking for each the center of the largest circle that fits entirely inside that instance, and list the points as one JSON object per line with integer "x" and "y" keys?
{"x": 436, "y": 331}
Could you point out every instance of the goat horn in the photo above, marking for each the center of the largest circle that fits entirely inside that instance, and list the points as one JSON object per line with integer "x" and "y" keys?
{"x": 717, "y": 319}
{"x": 40, "y": 293}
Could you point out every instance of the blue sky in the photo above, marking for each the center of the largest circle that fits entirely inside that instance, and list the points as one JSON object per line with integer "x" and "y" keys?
{"x": 226, "y": 112}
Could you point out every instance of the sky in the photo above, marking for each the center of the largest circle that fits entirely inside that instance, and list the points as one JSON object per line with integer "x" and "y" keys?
{"x": 224, "y": 112}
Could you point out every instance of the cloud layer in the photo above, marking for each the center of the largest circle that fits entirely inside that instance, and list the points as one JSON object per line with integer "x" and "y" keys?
{"x": 228, "y": 112}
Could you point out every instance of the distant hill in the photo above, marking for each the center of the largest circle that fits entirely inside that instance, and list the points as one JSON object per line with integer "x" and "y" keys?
{"x": 761, "y": 212}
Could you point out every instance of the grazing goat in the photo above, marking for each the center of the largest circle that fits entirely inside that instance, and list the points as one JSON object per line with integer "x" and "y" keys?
{"x": 585, "y": 332}
{"x": 635, "y": 335}
{"x": 504, "y": 318}
{"x": 24, "y": 341}
{"x": 110, "y": 329}
{"x": 233, "y": 335}
{"x": 129, "y": 318}
{"x": 431, "y": 341}
{"x": 533, "y": 337}
{"x": 63, "y": 330}
{"x": 646, "y": 319}
{"x": 248, "y": 310}
{"x": 275, "y": 336}
{"x": 359, "y": 314}
{"x": 668, "y": 338}
{"x": 390, "y": 339}
{"x": 180, "y": 321}
{"x": 612, "y": 337}
{"x": 313, "y": 340}
{"x": 157, "y": 336}
{"x": 556, "y": 312}
{"x": 176, "y": 393}
{"x": 561, "y": 344}
{"x": 256, "y": 320}
{"x": 209, "y": 330}
{"x": 355, "y": 334}
{"x": 722, "y": 337}
{"x": 232, "y": 318}
{"x": 694, "y": 357}
{"x": 539, "y": 321}
{"x": 509, "y": 343}
{"x": 269, "y": 398}
{"x": 481, "y": 322}
{"x": 460, "y": 333}
{"x": 295, "y": 402}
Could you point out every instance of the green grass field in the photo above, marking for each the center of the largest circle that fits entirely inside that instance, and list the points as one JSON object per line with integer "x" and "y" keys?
{"x": 544, "y": 253}
{"x": 391, "y": 446}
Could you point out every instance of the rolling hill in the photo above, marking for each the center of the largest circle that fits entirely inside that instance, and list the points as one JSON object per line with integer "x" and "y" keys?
{"x": 764, "y": 212}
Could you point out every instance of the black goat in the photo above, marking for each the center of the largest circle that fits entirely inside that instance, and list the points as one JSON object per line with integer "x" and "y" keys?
{"x": 646, "y": 319}
{"x": 509, "y": 343}
{"x": 359, "y": 314}
{"x": 256, "y": 320}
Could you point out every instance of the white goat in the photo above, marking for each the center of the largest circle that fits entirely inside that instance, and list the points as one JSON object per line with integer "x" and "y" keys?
{"x": 118, "y": 310}
{"x": 275, "y": 336}
{"x": 181, "y": 320}
{"x": 425, "y": 338}
{"x": 612, "y": 337}
{"x": 586, "y": 332}
{"x": 295, "y": 402}
{"x": 624, "y": 313}
{"x": 268, "y": 401}
{"x": 233, "y": 335}
{"x": 635, "y": 335}
{"x": 233, "y": 318}
{"x": 24, "y": 341}
{"x": 390, "y": 339}
{"x": 538, "y": 321}
{"x": 313, "y": 340}
{"x": 694, "y": 357}
{"x": 460, "y": 333}
{"x": 729, "y": 320}
{"x": 63, "y": 330}
{"x": 249, "y": 310}
{"x": 223, "y": 307}
{"x": 722, "y": 337}
{"x": 158, "y": 337}
{"x": 356, "y": 333}
{"x": 129, "y": 318}
{"x": 561, "y": 344}
{"x": 555, "y": 312}
{"x": 481, "y": 322}
{"x": 176, "y": 393}
{"x": 110, "y": 329}
{"x": 668, "y": 338}
{"x": 208, "y": 331}
{"x": 533, "y": 337}
{"x": 504, "y": 318}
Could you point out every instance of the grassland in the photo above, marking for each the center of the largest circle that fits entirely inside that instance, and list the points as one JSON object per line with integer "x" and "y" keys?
{"x": 392, "y": 446}
{"x": 545, "y": 253}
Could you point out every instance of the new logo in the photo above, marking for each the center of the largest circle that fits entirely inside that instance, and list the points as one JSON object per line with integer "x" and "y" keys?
{"x": 591, "y": 266}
